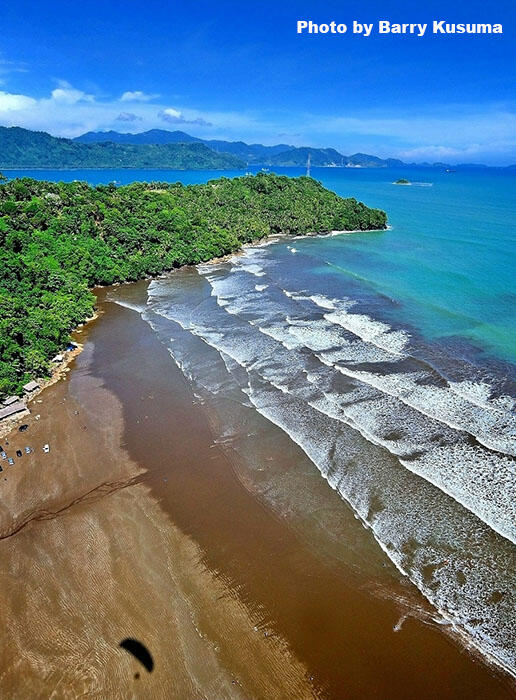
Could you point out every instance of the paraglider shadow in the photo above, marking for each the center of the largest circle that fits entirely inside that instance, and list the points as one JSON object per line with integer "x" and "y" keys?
{"x": 140, "y": 652}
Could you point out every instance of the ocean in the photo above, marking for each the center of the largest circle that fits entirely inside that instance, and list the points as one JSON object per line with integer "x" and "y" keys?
{"x": 389, "y": 358}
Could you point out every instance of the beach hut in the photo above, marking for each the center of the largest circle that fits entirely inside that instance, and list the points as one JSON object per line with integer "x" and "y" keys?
{"x": 31, "y": 386}
{"x": 12, "y": 409}
{"x": 10, "y": 400}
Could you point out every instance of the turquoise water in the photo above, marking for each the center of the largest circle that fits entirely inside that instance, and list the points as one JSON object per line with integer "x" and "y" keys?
{"x": 448, "y": 260}
{"x": 449, "y": 257}
{"x": 387, "y": 357}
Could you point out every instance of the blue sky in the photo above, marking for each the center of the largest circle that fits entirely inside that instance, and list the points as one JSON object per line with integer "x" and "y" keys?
{"x": 240, "y": 71}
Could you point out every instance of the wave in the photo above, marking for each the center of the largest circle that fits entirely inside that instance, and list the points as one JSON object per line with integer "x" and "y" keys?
{"x": 420, "y": 457}
{"x": 139, "y": 308}
{"x": 482, "y": 482}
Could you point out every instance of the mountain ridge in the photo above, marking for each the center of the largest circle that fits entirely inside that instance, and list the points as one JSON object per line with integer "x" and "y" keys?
{"x": 23, "y": 148}
{"x": 283, "y": 155}
{"x": 175, "y": 150}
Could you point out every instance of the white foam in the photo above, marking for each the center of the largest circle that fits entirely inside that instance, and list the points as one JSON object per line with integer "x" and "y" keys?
{"x": 293, "y": 390}
{"x": 252, "y": 269}
{"x": 139, "y": 308}
{"x": 375, "y": 332}
{"x": 493, "y": 428}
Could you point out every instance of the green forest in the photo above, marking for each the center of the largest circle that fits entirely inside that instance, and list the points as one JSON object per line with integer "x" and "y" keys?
{"x": 58, "y": 240}
{"x": 21, "y": 148}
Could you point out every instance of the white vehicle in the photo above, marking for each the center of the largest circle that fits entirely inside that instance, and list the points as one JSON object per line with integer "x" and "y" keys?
{"x": 46, "y": 448}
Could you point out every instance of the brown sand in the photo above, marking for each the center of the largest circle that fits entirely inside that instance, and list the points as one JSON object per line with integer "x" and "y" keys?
{"x": 134, "y": 525}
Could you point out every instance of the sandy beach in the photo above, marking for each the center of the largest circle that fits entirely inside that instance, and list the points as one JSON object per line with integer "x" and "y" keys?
{"x": 138, "y": 525}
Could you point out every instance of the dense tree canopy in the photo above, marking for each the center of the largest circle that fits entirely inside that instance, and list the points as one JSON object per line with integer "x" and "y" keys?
{"x": 21, "y": 148}
{"x": 57, "y": 240}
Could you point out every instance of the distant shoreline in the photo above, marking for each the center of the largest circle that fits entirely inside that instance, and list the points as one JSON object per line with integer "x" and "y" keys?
{"x": 415, "y": 166}
{"x": 102, "y": 167}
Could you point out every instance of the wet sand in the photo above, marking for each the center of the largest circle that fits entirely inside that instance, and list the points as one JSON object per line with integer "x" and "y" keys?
{"x": 137, "y": 525}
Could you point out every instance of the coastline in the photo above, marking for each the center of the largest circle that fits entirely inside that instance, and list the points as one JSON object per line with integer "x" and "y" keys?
{"x": 125, "y": 491}
{"x": 145, "y": 578}
{"x": 118, "y": 167}
{"x": 60, "y": 368}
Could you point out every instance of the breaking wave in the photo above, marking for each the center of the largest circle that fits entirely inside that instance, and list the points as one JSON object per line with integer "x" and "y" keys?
{"x": 423, "y": 453}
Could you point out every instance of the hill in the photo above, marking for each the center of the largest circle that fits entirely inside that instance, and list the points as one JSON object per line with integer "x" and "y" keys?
{"x": 145, "y": 137}
{"x": 21, "y": 148}
{"x": 281, "y": 154}
{"x": 254, "y": 153}
{"x": 59, "y": 239}
{"x": 299, "y": 156}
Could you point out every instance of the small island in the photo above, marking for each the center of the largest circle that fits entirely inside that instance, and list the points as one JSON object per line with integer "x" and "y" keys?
{"x": 58, "y": 240}
{"x": 402, "y": 181}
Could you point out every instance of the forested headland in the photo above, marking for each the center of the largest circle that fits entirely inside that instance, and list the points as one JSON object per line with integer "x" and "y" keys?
{"x": 57, "y": 240}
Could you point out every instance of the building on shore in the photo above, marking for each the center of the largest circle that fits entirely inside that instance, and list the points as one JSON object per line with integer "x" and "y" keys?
{"x": 10, "y": 400}
{"x": 31, "y": 386}
{"x": 12, "y": 409}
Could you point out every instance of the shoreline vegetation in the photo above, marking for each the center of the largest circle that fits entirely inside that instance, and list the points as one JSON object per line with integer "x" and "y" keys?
{"x": 58, "y": 240}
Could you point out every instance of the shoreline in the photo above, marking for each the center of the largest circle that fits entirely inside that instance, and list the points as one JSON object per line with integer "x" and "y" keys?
{"x": 179, "y": 589}
{"x": 118, "y": 167}
{"x": 60, "y": 368}
{"x": 283, "y": 614}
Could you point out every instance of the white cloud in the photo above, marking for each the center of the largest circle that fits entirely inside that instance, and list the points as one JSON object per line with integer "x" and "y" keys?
{"x": 171, "y": 114}
{"x": 137, "y": 96}
{"x": 70, "y": 95}
{"x": 454, "y": 133}
{"x": 69, "y": 111}
{"x": 174, "y": 116}
{"x": 14, "y": 103}
{"x": 457, "y": 133}
{"x": 8, "y": 67}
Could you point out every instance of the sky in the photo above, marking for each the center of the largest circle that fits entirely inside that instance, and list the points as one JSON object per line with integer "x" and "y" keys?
{"x": 240, "y": 71}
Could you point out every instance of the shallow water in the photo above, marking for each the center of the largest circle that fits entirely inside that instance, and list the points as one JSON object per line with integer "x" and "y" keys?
{"x": 446, "y": 267}
{"x": 424, "y": 461}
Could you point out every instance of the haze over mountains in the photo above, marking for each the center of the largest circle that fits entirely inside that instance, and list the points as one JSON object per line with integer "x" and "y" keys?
{"x": 174, "y": 150}
{"x": 281, "y": 154}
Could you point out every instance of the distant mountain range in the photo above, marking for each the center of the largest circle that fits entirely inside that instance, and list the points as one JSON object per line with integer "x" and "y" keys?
{"x": 162, "y": 149}
{"x": 252, "y": 154}
{"x": 21, "y": 148}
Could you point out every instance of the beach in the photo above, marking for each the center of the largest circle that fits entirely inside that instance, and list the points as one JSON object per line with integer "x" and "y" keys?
{"x": 241, "y": 583}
